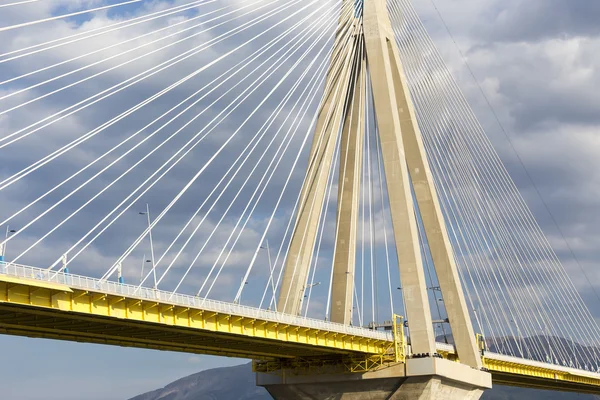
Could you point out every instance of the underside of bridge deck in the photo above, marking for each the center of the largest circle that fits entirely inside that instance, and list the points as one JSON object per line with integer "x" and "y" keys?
{"x": 40, "y": 323}
{"x": 65, "y": 325}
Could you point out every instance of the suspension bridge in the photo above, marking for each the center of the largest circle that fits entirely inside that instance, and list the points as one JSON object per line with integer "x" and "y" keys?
{"x": 300, "y": 183}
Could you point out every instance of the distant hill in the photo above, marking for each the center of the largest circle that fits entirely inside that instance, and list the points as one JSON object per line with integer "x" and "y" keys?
{"x": 238, "y": 383}
{"x": 229, "y": 383}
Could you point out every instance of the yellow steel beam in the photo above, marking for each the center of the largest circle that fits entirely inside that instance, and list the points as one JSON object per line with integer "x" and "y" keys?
{"x": 523, "y": 373}
{"x": 514, "y": 371}
{"x": 30, "y": 308}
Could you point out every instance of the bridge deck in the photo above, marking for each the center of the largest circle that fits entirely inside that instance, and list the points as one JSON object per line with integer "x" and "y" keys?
{"x": 521, "y": 372}
{"x": 36, "y": 303}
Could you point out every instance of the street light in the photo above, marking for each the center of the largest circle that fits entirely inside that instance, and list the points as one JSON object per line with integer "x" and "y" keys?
{"x": 240, "y": 298}
{"x": 120, "y": 273}
{"x": 303, "y": 290}
{"x": 147, "y": 214}
{"x": 3, "y": 249}
{"x": 144, "y": 261}
{"x": 270, "y": 266}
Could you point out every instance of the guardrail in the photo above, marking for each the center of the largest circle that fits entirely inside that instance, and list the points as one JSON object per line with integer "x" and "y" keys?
{"x": 142, "y": 293}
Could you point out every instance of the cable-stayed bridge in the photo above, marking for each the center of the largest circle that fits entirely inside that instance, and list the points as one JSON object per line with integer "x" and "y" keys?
{"x": 156, "y": 160}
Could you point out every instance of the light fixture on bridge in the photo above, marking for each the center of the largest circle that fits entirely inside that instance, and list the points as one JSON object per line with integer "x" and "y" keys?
{"x": 147, "y": 214}
{"x": 9, "y": 232}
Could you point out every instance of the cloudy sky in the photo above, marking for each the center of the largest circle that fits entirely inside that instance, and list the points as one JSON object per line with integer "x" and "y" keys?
{"x": 536, "y": 62}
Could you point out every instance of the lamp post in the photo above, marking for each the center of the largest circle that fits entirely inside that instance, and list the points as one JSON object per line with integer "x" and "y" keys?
{"x": 3, "y": 249}
{"x": 245, "y": 283}
{"x": 310, "y": 285}
{"x": 147, "y": 214}
{"x": 270, "y": 266}
{"x": 120, "y": 273}
{"x": 144, "y": 261}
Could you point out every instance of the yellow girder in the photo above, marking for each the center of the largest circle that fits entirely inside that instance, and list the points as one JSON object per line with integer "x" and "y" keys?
{"x": 509, "y": 371}
{"x": 35, "y": 308}
{"x": 514, "y": 371}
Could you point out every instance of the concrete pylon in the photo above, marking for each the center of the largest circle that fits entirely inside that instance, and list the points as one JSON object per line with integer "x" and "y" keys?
{"x": 365, "y": 50}
{"x": 332, "y": 113}
{"x": 351, "y": 149}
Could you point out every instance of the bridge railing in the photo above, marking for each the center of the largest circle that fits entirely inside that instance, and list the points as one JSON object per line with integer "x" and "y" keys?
{"x": 177, "y": 299}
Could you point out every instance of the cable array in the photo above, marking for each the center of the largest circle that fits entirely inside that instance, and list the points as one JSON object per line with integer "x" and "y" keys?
{"x": 520, "y": 294}
{"x": 278, "y": 38}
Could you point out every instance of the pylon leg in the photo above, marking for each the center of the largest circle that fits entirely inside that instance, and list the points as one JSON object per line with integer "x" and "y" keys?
{"x": 378, "y": 41}
{"x": 351, "y": 150}
{"x": 433, "y": 221}
{"x": 330, "y": 119}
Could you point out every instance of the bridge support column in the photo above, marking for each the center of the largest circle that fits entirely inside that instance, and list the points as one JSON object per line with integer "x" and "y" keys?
{"x": 418, "y": 379}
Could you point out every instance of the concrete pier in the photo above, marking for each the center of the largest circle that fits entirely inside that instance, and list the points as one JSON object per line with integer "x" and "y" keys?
{"x": 418, "y": 379}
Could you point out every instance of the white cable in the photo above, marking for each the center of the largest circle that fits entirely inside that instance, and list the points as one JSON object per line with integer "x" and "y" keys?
{"x": 156, "y": 220}
{"x": 234, "y": 68}
{"x": 211, "y": 159}
{"x": 18, "y": 3}
{"x": 116, "y": 26}
{"x": 265, "y": 232}
{"x": 322, "y": 65}
{"x": 281, "y": 37}
{"x": 586, "y": 325}
{"x": 61, "y": 151}
{"x": 13, "y": 177}
{"x": 186, "y": 53}
{"x": 7, "y": 28}
{"x": 262, "y": 131}
{"x": 435, "y": 159}
{"x": 63, "y": 62}
{"x": 517, "y": 231}
{"x": 107, "y": 186}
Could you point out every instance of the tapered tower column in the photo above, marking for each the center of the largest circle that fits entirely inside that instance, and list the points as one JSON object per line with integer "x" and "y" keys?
{"x": 379, "y": 41}
{"x": 351, "y": 149}
{"x": 433, "y": 221}
{"x": 331, "y": 115}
